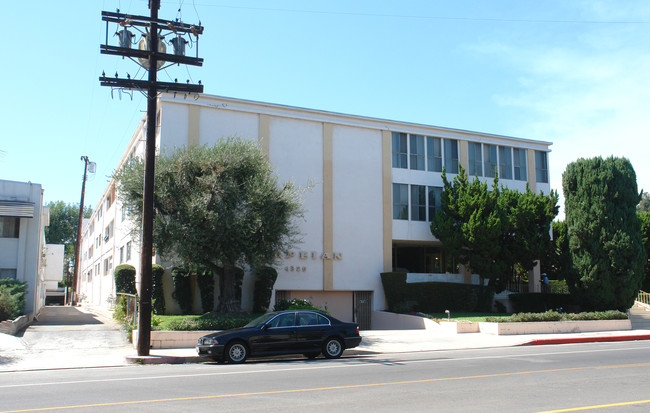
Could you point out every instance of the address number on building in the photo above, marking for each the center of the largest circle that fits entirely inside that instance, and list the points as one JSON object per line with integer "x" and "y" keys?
{"x": 293, "y": 268}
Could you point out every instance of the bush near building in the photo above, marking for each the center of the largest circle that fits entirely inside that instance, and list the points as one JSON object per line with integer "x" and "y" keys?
{"x": 12, "y": 298}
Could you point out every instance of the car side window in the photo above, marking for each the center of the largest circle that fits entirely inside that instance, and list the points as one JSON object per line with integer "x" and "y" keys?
{"x": 283, "y": 320}
{"x": 322, "y": 320}
{"x": 307, "y": 319}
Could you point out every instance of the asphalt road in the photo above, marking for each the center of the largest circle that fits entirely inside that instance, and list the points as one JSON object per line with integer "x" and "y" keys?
{"x": 608, "y": 377}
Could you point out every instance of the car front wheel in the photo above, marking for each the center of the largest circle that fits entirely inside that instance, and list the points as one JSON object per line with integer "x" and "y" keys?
{"x": 236, "y": 352}
{"x": 332, "y": 348}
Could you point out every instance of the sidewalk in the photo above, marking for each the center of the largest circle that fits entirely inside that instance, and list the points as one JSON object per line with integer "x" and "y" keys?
{"x": 81, "y": 337}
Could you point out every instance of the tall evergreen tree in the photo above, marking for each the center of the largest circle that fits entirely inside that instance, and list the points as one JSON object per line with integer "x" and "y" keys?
{"x": 604, "y": 232}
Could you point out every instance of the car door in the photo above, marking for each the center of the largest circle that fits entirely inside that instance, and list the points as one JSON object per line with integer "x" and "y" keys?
{"x": 311, "y": 330}
{"x": 277, "y": 335}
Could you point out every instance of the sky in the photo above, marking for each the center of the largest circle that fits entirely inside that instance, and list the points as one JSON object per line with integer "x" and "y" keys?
{"x": 575, "y": 73}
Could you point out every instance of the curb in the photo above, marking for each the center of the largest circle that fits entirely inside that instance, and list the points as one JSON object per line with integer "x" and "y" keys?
{"x": 570, "y": 340}
{"x": 162, "y": 359}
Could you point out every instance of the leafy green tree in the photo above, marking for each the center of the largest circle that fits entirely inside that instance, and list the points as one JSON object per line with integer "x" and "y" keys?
{"x": 604, "y": 232}
{"x": 644, "y": 217}
{"x": 556, "y": 261}
{"x": 218, "y": 207}
{"x": 492, "y": 231}
{"x": 644, "y": 204}
{"x": 64, "y": 219}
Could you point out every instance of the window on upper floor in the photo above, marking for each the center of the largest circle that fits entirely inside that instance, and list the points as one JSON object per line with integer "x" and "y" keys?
{"x": 474, "y": 155}
{"x": 9, "y": 227}
{"x": 434, "y": 154}
{"x": 434, "y": 200}
{"x": 519, "y": 161}
{"x": 505, "y": 162}
{"x": 418, "y": 203}
{"x": 121, "y": 255}
{"x": 401, "y": 201}
{"x": 128, "y": 250}
{"x": 400, "y": 155}
{"x": 489, "y": 160}
{"x": 451, "y": 156}
{"x": 417, "y": 152}
{"x": 541, "y": 166}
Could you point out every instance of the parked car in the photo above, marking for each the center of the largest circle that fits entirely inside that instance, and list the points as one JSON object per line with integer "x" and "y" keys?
{"x": 283, "y": 332}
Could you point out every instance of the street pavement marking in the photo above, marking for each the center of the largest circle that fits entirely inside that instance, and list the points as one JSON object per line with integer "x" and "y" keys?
{"x": 599, "y": 406}
{"x": 352, "y": 386}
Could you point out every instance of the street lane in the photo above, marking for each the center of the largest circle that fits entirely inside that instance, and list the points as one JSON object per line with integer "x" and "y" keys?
{"x": 516, "y": 379}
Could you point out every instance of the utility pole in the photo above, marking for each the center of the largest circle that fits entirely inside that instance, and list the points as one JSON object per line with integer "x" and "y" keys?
{"x": 77, "y": 252}
{"x": 152, "y": 58}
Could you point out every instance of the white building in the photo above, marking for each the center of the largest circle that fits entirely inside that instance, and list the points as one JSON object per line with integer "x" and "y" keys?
{"x": 378, "y": 182}
{"x": 22, "y": 239}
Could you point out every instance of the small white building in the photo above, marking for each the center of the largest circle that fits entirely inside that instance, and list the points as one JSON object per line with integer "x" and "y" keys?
{"x": 378, "y": 182}
{"x": 22, "y": 239}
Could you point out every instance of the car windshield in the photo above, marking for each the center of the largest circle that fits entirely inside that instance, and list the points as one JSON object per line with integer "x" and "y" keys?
{"x": 260, "y": 320}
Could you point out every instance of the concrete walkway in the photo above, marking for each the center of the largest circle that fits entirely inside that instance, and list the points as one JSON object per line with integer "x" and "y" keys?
{"x": 78, "y": 337}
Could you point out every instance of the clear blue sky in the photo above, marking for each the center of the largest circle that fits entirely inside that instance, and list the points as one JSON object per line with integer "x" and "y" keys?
{"x": 576, "y": 73}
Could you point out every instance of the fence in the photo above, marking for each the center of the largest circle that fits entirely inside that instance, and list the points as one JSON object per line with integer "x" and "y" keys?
{"x": 131, "y": 307}
{"x": 643, "y": 298}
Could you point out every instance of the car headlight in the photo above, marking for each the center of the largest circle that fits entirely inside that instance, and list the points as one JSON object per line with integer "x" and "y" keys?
{"x": 208, "y": 341}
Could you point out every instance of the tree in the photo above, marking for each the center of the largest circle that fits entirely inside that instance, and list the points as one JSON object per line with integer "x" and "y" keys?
{"x": 64, "y": 219}
{"x": 492, "y": 231}
{"x": 604, "y": 232}
{"x": 644, "y": 217}
{"x": 556, "y": 261}
{"x": 644, "y": 204}
{"x": 218, "y": 207}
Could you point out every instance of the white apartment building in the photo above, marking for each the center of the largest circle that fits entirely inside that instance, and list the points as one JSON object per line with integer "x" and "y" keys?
{"x": 378, "y": 182}
{"x": 22, "y": 239}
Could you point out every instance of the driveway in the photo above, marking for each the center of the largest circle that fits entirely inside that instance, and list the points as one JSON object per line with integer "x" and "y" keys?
{"x": 65, "y": 337}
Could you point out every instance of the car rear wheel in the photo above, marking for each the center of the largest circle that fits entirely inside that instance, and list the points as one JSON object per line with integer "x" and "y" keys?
{"x": 312, "y": 355}
{"x": 332, "y": 348}
{"x": 236, "y": 352}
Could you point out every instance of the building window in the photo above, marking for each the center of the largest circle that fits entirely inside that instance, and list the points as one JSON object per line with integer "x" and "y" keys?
{"x": 505, "y": 162}
{"x": 123, "y": 212}
{"x": 108, "y": 265}
{"x": 8, "y": 273}
{"x": 475, "y": 159}
{"x": 400, "y": 201}
{"x": 121, "y": 255}
{"x": 128, "y": 250}
{"x": 541, "y": 166}
{"x": 418, "y": 203}
{"x": 451, "y": 156}
{"x": 435, "y": 200}
{"x": 434, "y": 154}
{"x": 417, "y": 152}
{"x": 400, "y": 156}
{"x": 519, "y": 156}
{"x": 490, "y": 160}
{"x": 9, "y": 227}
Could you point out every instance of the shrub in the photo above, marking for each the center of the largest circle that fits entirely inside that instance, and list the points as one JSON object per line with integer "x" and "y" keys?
{"x": 182, "y": 289}
{"x": 205, "y": 280}
{"x": 296, "y": 304}
{"x": 209, "y": 323}
{"x": 157, "y": 293}
{"x": 540, "y": 302}
{"x": 264, "y": 280}
{"x": 12, "y": 298}
{"x": 125, "y": 279}
{"x": 557, "y": 316}
{"x": 434, "y": 297}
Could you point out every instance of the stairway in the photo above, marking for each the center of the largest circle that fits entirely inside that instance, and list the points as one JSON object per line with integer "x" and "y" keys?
{"x": 639, "y": 316}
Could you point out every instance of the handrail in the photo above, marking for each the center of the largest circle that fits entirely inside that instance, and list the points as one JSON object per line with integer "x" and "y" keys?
{"x": 643, "y": 298}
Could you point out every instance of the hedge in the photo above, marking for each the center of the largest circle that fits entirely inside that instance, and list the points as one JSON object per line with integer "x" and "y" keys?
{"x": 125, "y": 279}
{"x": 430, "y": 297}
{"x": 12, "y": 298}
{"x": 157, "y": 295}
{"x": 541, "y": 302}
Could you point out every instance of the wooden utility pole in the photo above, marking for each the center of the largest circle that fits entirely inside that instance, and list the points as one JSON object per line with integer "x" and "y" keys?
{"x": 152, "y": 60}
{"x": 77, "y": 250}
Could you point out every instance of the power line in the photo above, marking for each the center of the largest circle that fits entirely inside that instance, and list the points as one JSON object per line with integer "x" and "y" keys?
{"x": 450, "y": 18}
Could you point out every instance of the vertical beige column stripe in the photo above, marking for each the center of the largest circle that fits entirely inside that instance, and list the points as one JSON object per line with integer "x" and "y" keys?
{"x": 463, "y": 154}
{"x": 532, "y": 176}
{"x": 328, "y": 206}
{"x": 193, "y": 125}
{"x": 387, "y": 204}
{"x": 264, "y": 138}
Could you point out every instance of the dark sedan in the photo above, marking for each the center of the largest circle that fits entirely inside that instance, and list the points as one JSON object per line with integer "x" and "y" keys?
{"x": 284, "y": 332}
